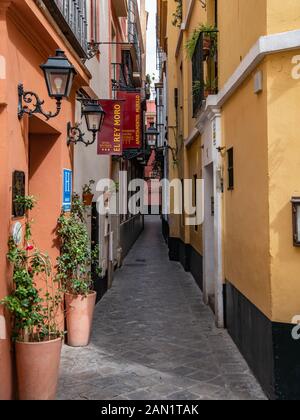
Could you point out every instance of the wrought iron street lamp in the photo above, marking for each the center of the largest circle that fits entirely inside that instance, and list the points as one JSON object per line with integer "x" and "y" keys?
{"x": 94, "y": 116}
{"x": 152, "y": 136}
{"x": 59, "y": 74}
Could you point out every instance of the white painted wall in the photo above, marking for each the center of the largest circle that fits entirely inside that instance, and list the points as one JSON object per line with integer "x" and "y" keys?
{"x": 87, "y": 163}
{"x": 210, "y": 128}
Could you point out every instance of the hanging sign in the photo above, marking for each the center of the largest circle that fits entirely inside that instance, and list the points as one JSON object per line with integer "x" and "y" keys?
{"x": 110, "y": 139}
{"x": 132, "y": 129}
{"x": 67, "y": 190}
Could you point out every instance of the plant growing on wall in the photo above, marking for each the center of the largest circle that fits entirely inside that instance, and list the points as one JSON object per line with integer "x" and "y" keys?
{"x": 209, "y": 87}
{"x": 177, "y": 16}
{"x": 77, "y": 257}
{"x": 75, "y": 263}
{"x": 149, "y": 82}
{"x": 197, "y": 87}
{"x": 210, "y": 40}
{"x": 33, "y": 310}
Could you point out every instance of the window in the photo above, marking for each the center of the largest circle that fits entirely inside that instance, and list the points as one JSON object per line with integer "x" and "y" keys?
{"x": 230, "y": 169}
{"x": 94, "y": 21}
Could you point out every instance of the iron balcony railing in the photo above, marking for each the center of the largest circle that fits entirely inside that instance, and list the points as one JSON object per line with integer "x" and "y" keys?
{"x": 205, "y": 68}
{"x": 71, "y": 17}
{"x": 133, "y": 37}
{"x": 159, "y": 50}
{"x": 122, "y": 73}
{"x": 119, "y": 80}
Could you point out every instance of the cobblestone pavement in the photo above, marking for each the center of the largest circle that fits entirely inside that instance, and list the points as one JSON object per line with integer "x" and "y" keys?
{"x": 153, "y": 338}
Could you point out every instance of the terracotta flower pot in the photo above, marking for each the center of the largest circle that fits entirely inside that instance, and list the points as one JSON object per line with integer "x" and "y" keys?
{"x": 87, "y": 199}
{"x": 207, "y": 44}
{"x": 38, "y": 369}
{"x": 80, "y": 312}
{"x": 207, "y": 92}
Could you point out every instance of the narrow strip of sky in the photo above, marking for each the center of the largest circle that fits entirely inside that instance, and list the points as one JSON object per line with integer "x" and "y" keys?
{"x": 151, "y": 38}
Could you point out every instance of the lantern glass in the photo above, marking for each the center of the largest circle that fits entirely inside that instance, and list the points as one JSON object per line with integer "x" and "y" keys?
{"x": 57, "y": 83}
{"x": 93, "y": 122}
{"x": 59, "y": 75}
{"x": 151, "y": 140}
{"x": 152, "y": 135}
{"x": 94, "y": 116}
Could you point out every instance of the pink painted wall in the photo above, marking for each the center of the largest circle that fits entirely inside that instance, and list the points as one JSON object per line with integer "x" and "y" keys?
{"x": 25, "y": 46}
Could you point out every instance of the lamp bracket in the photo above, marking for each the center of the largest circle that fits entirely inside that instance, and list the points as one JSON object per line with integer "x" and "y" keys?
{"x": 75, "y": 135}
{"x": 31, "y": 98}
{"x": 173, "y": 150}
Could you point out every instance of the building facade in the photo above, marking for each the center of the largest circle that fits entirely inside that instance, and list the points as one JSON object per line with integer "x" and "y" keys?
{"x": 232, "y": 118}
{"x": 36, "y": 159}
{"x": 34, "y": 151}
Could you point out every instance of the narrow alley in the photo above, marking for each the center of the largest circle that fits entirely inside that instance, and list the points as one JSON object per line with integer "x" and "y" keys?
{"x": 154, "y": 339}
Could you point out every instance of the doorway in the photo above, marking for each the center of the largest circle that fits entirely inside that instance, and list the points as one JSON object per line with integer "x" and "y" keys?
{"x": 45, "y": 184}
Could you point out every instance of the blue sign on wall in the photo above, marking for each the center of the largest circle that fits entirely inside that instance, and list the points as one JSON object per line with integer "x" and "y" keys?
{"x": 67, "y": 190}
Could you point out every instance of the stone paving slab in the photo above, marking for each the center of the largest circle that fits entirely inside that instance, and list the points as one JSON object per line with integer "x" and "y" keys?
{"x": 154, "y": 339}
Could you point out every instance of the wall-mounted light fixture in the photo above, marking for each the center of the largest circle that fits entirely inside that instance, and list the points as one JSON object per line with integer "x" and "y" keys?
{"x": 151, "y": 136}
{"x": 93, "y": 49}
{"x": 59, "y": 75}
{"x": 94, "y": 117}
{"x": 296, "y": 220}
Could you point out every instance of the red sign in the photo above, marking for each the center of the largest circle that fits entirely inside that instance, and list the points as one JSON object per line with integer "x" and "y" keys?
{"x": 110, "y": 138}
{"x": 132, "y": 129}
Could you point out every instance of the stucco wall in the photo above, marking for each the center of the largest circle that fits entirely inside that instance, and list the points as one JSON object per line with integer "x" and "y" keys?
{"x": 241, "y": 22}
{"x": 282, "y": 17}
{"x": 284, "y": 170}
{"x": 24, "y": 47}
{"x": 246, "y": 224}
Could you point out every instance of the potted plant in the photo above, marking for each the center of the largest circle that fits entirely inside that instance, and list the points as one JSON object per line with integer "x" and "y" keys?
{"x": 87, "y": 194}
{"x": 74, "y": 273}
{"x": 210, "y": 88}
{"x": 38, "y": 339}
{"x": 209, "y": 41}
{"x": 197, "y": 88}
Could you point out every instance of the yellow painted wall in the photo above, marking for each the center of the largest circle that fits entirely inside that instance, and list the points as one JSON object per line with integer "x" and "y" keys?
{"x": 198, "y": 17}
{"x": 283, "y": 16}
{"x": 284, "y": 182}
{"x": 241, "y": 23}
{"x": 246, "y": 223}
{"x": 172, "y": 34}
{"x": 189, "y": 159}
{"x": 259, "y": 257}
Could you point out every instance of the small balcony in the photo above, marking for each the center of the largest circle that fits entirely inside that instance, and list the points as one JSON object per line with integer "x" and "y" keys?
{"x": 205, "y": 68}
{"x": 134, "y": 39}
{"x": 71, "y": 17}
{"x": 120, "y": 80}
